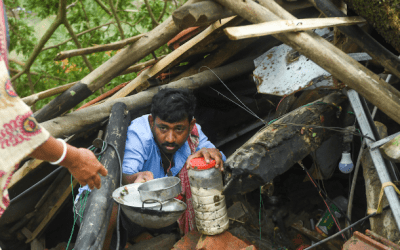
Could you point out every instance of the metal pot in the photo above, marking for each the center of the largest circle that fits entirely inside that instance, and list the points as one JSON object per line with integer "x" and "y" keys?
{"x": 152, "y": 214}
{"x": 161, "y": 189}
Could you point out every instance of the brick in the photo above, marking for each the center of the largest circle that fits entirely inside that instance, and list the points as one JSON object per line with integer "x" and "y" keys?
{"x": 220, "y": 242}
{"x": 188, "y": 242}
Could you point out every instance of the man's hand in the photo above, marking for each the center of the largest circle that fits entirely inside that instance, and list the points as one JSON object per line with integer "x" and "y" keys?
{"x": 142, "y": 177}
{"x": 208, "y": 154}
{"x": 85, "y": 167}
{"x": 138, "y": 177}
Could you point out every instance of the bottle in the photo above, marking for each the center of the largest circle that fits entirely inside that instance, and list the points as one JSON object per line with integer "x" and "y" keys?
{"x": 326, "y": 225}
{"x": 208, "y": 202}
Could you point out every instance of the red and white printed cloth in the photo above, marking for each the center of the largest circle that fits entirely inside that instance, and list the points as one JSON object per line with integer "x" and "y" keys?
{"x": 20, "y": 134}
{"x": 187, "y": 221}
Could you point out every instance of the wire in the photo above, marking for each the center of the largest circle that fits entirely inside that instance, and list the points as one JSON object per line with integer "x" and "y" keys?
{"x": 36, "y": 184}
{"x": 243, "y": 106}
{"x": 344, "y": 230}
{"x": 321, "y": 192}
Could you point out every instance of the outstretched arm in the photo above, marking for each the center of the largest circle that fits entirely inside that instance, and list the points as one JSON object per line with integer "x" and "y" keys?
{"x": 80, "y": 162}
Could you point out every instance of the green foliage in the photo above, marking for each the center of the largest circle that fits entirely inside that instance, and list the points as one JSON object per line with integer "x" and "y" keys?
{"x": 82, "y": 15}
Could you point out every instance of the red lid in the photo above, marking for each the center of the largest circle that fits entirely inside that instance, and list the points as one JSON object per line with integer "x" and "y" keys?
{"x": 201, "y": 164}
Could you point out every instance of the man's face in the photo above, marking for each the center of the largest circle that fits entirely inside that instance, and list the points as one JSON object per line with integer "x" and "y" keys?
{"x": 170, "y": 136}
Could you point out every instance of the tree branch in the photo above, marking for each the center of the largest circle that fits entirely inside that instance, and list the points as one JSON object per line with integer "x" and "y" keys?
{"x": 79, "y": 34}
{"x": 104, "y": 47}
{"x": 77, "y": 43}
{"x": 38, "y": 48}
{"x": 121, "y": 31}
{"x": 151, "y": 13}
{"x": 84, "y": 12}
{"x": 103, "y": 7}
{"x": 163, "y": 11}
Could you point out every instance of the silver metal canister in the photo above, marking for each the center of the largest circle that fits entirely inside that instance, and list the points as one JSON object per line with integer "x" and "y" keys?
{"x": 208, "y": 202}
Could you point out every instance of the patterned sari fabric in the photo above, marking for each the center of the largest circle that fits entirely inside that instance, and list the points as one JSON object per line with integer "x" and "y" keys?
{"x": 20, "y": 134}
{"x": 187, "y": 221}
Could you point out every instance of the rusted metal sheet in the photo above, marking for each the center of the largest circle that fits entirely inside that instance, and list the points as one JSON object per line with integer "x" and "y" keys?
{"x": 282, "y": 71}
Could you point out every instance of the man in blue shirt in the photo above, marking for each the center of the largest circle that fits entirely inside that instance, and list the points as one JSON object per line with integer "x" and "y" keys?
{"x": 157, "y": 144}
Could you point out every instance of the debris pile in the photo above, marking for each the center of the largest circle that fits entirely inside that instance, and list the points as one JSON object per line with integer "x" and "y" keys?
{"x": 286, "y": 116}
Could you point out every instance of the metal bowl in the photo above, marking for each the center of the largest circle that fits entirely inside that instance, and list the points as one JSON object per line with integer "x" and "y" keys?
{"x": 161, "y": 189}
{"x": 147, "y": 214}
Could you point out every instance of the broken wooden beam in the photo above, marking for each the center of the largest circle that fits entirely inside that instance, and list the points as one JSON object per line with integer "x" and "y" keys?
{"x": 200, "y": 14}
{"x": 278, "y": 146}
{"x": 100, "y": 201}
{"x": 375, "y": 49}
{"x": 154, "y": 39}
{"x": 282, "y": 26}
{"x": 81, "y": 120}
{"x": 326, "y": 55}
{"x": 98, "y": 48}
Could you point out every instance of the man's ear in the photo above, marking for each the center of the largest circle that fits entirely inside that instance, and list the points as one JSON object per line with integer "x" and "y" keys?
{"x": 151, "y": 121}
{"x": 191, "y": 125}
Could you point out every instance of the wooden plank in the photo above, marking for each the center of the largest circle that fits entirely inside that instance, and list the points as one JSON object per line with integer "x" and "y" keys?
{"x": 282, "y": 26}
{"x": 54, "y": 210}
{"x": 166, "y": 61}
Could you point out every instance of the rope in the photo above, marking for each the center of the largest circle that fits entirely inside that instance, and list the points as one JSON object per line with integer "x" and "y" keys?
{"x": 379, "y": 208}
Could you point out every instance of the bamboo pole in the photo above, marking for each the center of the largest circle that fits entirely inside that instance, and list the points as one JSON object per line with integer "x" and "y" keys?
{"x": 326, "y": 55}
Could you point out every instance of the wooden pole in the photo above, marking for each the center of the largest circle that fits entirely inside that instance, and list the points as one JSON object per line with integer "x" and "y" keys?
{"x": 32, "y": 99}
{"x": 326, "y": 55}
{"x": 200, "y": 14}
{"x": 386, "y": 58}
{"x": 83, "y": 119}
{"x": 110, "y": 69}
{"x": 100, "y": 201}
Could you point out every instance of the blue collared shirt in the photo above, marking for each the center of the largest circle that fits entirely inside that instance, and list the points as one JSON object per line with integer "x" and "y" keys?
{"x": 143, "y": 154}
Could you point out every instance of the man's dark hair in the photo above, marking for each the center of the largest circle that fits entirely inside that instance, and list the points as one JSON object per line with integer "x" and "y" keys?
{"x": 173, "y": 105}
